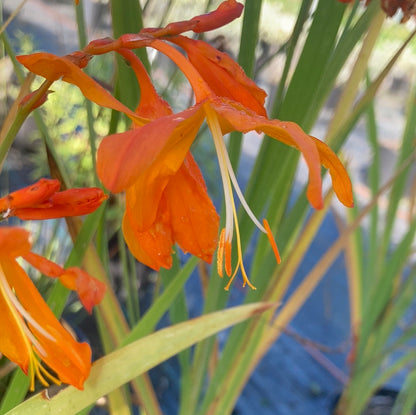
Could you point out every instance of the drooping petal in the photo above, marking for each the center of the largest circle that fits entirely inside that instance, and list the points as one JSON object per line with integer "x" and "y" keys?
{"x": 71, "y": 202}
{"x": 162, "y": 144}
{"x": 55, "y": 346}
{"x": 153, "y": 246}
{"x": 54, "y": 67}
{"x": 314, "y": 151}
{"x": 286, "y": 132}
{"x": 90, "y": 290}
{"x": 341, "y": 182}
{"x": 194, "y": 219}
{"x": 224, "y": 76}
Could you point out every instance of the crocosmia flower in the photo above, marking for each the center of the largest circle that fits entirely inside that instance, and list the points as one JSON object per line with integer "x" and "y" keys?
{"x": 30, "y": 332}
{"x": 166, "y": 198}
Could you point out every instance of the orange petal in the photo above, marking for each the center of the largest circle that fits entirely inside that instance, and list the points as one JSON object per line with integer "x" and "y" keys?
{"x": 194, "y": 219}
{"x": 41, "y": 100}
{"x": 71, "y": 202}
{"x": 58, "y": 349}
{"x": 226, "y": 12}
{"x": 224, "y": 76}
{"x": 162, "y": 144}
{"x": 14, "y": 241}
{"x": 340, "y": 179}
{"x": 90, "y": 290}
{"x": 272, "y": 241}
{"x": 144, "y": 197}
{"x": 14, "y": 343}
{"x": 151, "y": 105}
{"x": 46, "y": 267}
{"x": 54, "y": 67}
{"x": 152, "y": 247}
{"x": 30, "y": 195}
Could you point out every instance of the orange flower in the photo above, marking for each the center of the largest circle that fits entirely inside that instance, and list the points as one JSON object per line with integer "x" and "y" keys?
{"x": 43, "y": 201}
{"x": 30, "y": 331}
{"x": 148, "y": 157}
{"x": 152, "y": 161}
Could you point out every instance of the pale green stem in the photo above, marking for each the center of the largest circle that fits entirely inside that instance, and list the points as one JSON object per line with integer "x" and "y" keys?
{"x": 346, "y": 101}
{"x": 18, "y": 114}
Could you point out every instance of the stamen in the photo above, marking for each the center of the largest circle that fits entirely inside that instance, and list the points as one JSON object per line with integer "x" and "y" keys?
{"x": 49, "y": 375}
{"x": 224, "y": 255}
{"x": 240, "y": 263}
{"x": 32, "y": 372}
{"x": 227, "y": 265}
{"x": 216, "y": 132}
{"x": 37, "y": 370}
{"x": 220, "y": 253}
{"x": 229, "y": 181}
{"x": 241, "y": 196}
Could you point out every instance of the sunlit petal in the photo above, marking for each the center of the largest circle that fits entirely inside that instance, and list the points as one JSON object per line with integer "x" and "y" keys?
{"x": 162, "y": 144}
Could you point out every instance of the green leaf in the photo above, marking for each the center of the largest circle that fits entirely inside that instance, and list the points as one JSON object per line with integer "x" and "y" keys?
{"x": 119, "y": 367}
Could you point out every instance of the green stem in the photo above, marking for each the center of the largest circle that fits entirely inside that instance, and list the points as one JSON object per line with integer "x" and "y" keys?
{"x": 18, "y": 114}
{"x": 359, "y": 69}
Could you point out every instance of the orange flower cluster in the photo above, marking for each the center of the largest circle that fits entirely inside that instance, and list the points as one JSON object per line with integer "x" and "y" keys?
{"x": 166, "y": 197}
{"x": 408, "y": 7}
{"x": 30, "y": 331}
